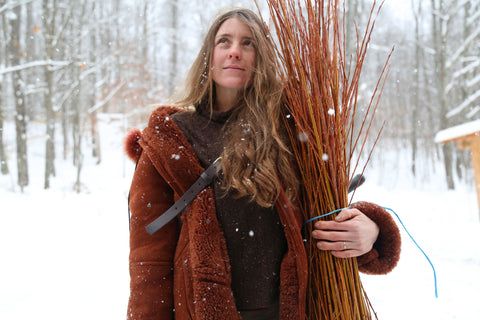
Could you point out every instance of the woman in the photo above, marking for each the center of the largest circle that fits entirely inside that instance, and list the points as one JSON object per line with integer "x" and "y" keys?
{"x": 237, "y": 251}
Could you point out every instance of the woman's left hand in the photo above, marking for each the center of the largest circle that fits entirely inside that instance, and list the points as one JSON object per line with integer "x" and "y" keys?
{"x": 351, "y": 234}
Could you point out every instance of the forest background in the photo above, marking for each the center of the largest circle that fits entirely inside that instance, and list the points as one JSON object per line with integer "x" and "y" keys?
{"x": 64, "y": 62}
{"x": 76, "y": 75}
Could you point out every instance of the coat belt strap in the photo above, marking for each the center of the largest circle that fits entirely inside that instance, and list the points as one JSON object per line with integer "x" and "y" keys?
{"x": 204, "y": 180}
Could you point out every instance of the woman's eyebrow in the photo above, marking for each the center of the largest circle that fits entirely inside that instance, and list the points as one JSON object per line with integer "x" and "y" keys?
{"x": 224, "y": 35}
{"x": 229, "y": 35}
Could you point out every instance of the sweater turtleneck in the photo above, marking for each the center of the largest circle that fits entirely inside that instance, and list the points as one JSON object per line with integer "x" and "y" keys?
{"x": 254, "y": 235}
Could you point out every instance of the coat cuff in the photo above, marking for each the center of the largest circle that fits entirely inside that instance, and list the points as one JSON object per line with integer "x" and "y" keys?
{"x": 386, "y": 250}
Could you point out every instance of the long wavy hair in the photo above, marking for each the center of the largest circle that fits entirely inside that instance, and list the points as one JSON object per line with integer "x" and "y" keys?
{"x": 256, "y": 159}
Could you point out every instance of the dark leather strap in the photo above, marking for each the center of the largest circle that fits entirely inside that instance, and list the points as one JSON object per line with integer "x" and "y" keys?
{"x": 204, "y": 180}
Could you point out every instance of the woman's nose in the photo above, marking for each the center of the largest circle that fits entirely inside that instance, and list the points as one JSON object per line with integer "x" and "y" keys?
{"x": 234, "y": 52}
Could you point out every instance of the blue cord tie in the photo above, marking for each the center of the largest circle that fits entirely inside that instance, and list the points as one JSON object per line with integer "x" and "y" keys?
{"x": 400, "y": 220}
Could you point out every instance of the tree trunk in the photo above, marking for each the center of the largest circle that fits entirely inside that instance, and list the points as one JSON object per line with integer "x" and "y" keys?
{"x": 77, "y": 141}
{"x": 96, "y": 152}
{"x": 439, "y": 45}
{"x": 173, "y": 55}
{"x": 50, "y": 130}
{"x": 18, "y": 91}
{"x": 463, "y": 159}
{"x": 417, "y": 14}
{"x": 3, "y": 61}
{"x": 350, "y": 34}
{"x": 78, "y": 116}
{"x": 65, "y": 126}
{"x": 49, "y": 26}
{"x": 3, "y": 155}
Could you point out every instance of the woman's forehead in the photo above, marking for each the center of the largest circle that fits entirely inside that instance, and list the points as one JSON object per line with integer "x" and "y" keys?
{"x": 234, "y": 26}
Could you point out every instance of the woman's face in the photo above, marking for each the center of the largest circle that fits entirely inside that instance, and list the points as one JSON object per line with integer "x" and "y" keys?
{"x": 233, "y": 57}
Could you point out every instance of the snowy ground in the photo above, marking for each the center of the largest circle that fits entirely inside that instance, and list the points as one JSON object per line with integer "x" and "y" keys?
{"x": 65, "y": 255}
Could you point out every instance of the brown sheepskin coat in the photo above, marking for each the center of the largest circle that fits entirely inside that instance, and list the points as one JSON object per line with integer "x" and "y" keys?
{"x": 186, "y": 274}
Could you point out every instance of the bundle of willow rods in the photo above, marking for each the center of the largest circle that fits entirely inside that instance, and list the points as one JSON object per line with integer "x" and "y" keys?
{"x": 321, "y": 93}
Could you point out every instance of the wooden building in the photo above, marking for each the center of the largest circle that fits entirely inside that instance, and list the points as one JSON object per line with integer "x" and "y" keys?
{"x": 467, "y": 136}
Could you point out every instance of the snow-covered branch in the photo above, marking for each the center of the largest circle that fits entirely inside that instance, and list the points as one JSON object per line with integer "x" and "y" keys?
{"x": 468, "y": 68}
{"x": 472, "y": 112}
{"x": 471, "y": 99}
{"x": 473, "y": 18}
{"x": 59, "y": 35}
{"x": 12, "y": 4}
{"x": 33, "y": 64}
{"x": 463, "y": 47}
{"x": 475, "y": 80}
{"x": 100, "y": 104}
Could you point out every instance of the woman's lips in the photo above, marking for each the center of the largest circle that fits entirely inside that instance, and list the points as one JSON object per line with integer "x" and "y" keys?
{"x": 233, "y": 67}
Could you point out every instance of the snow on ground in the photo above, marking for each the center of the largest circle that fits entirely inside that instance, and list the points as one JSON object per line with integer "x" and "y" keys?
{"x": 446, "y": 226}
{"x": 65, "y": 255}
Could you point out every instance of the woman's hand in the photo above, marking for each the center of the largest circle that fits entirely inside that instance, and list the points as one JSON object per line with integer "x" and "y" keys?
{"x": 351, "y": 234}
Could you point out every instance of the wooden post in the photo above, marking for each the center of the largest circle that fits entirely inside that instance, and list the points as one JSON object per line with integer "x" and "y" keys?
{"x": 467, "y": 136}
{"x": 472, "y": 142}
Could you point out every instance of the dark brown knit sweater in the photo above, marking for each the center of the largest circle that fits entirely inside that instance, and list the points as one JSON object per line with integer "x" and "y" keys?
{"x": 254, "y": 235}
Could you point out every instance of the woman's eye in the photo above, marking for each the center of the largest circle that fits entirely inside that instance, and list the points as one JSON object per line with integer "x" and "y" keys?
{"x": 248, "y": 43}
{"x": 222, "y": 41}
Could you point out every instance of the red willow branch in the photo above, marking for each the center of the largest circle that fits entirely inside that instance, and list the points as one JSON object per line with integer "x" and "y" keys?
{"x": 322, "y": 95}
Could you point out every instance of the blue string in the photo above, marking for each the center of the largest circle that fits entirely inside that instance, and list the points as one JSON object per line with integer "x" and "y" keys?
{"x": 324, "y": 215}
{"x": 405, "y": 228}
{"x": 418, "y": 246}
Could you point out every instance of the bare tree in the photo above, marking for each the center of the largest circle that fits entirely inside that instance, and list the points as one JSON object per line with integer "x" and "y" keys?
{"x": 466, "y": 78}
{"x": 82, "y": 96}
{"x": 18, "y": 84}
{"x": 173, "y": 47}
{"x": 417, "y": 14}
{"x": 3, "y": 154}
{"x": 455, "y": 32}
{"x": 3, "y": 55}
{"x": 439, "y": 33}
{"x": 95, "y": 135}
{"x": 49, "y": 24}
{"x": 94, "y": 57}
